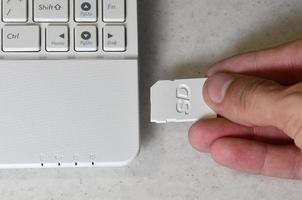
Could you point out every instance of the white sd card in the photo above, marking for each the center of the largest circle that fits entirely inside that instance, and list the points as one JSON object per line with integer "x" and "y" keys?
{"x": 179, "y": 101}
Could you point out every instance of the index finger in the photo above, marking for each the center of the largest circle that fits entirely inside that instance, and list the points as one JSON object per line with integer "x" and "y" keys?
{"x": 282, "y": 63}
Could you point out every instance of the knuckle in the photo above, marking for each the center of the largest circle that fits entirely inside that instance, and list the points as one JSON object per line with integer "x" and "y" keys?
{"x": 249, "y": 93}
{"x": 291, "y": 119}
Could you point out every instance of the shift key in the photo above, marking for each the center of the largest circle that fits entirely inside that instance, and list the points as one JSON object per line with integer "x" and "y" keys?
{"x": 19, "y": 38}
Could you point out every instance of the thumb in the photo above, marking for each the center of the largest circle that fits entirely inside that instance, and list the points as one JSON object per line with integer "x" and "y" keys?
{"x": 254, "y": 101}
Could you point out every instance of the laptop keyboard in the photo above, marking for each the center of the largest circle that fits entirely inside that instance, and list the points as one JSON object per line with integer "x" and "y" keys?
{"x": 63, "y": 26}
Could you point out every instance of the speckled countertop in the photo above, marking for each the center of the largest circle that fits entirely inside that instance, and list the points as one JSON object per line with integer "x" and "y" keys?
{"x": 178, "y": 39}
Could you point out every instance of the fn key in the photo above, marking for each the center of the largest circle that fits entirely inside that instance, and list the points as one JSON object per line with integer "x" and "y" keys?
{"x": 16, "y": 38}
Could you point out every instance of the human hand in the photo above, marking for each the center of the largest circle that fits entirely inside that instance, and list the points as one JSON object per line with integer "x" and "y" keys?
{"x": 259, "y": 96}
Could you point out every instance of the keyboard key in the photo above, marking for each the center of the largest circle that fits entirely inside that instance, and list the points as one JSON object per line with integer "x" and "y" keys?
{"x": 86, "y": 38}
{"x": 114, "y": 38}
{"x": 57, "y": 38}
{"x": 113, "y": 10}
{"x": 21, "y": 38}
{"x": 85, "y": 10}
{"x": 14, "y": 10}
{"x": 51, "y": 10}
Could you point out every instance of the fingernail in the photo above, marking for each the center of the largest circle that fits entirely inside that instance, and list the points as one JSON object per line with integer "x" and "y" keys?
{"x": 217, "y": 86}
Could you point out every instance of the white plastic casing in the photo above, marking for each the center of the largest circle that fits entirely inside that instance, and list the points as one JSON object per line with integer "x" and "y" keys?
{"x": 70, "y": 109}
{"x": 66, "y": 113}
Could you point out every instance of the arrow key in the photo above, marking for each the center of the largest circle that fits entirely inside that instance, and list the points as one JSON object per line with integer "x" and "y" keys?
{"x": 85, "y": 10}
{"x": 86, "y": 38}
{"x": 114, "y": 38}
{"x": 57, "y": 38}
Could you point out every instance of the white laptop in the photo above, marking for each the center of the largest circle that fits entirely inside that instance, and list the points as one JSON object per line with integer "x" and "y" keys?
{"x": 68, "y": 83}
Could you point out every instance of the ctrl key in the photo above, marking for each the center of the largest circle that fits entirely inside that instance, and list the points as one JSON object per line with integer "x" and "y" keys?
{"x": 19, "y": 38}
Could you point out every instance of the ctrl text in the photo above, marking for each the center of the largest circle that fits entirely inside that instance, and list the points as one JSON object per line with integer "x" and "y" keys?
{"x": 12, "y": 36}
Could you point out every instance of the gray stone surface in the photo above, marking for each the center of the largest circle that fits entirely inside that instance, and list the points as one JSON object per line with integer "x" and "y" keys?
{"x": 178, "y": 39}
